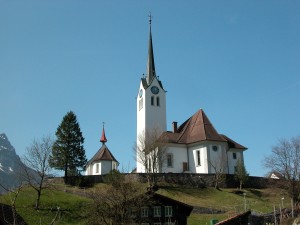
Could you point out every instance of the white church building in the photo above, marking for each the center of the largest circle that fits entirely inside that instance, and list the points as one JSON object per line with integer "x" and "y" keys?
{"x": 195, "y": 146}
{"x": 103, "y": 162}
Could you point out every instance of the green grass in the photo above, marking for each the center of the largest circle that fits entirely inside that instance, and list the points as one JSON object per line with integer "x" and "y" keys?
{"x": 73, "y": 207}
{"x": 226, "y": 200}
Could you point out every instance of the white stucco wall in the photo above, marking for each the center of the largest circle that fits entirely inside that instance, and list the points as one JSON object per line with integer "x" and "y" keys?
{"x": 149, "y": 116}
{"x": 231, "y": 161}
{"x": 105, "y": 166}
{"x": 179, "y": 156}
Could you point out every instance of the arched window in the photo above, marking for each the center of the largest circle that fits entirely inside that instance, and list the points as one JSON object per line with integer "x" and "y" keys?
{"x": 157, "y": 101}
{"x": 152, "y": 100}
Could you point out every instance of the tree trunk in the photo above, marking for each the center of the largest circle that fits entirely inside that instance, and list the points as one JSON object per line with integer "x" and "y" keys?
{"x": 66, "y": 174}
{"x": 37, "y": 203}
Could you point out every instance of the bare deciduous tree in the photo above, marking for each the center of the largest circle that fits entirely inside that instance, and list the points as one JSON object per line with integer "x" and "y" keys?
{"x": 114, "y": 204}
{"x": 219, "y": 166}
{"x": 36, "y": 160}
{"x": 285, "y": 160}
{"x": 151, "y": 153}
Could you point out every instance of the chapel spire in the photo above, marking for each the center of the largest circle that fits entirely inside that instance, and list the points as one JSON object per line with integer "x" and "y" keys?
{"x": 150, "y": 73}
{"x": 103, "y": 137}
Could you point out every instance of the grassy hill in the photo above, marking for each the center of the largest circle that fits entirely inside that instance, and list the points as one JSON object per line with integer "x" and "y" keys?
{"x": 208, "y": 203}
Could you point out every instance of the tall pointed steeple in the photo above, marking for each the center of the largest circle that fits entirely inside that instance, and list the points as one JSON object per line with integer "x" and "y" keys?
{"x": 103, "y": 137}
{"x": 150, "y": 73}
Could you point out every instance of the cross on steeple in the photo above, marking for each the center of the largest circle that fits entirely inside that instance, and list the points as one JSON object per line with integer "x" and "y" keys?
{"x": 150, "y": 18}
{"x": 150, "y": 73}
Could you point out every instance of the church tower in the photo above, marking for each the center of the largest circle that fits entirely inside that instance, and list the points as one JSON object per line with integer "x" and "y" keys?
{"x": 151, "y": 101}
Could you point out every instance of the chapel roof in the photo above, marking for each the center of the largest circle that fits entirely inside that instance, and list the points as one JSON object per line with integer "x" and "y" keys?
{"x": 198, "y": 128}
{"x": 103, "y": 154}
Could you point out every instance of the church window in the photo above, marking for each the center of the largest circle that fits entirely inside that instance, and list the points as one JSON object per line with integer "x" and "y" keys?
{"x": 157, "y": 211}
{"x": 144, "y": 212}
{"x": 152, "y": 100}
{"x": 157, "y": 101}
{"x": 234, "y": 155}
{"x": 215, "y": 148}
{"x": 169, "y": 160}
{"x": 140, "y": 103}
{"x": 198, "y": 158}
{"x": 168, "y": 211}
{"x": 97, "y": 167}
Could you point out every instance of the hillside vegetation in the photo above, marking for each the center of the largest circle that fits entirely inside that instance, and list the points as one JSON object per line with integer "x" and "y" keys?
{"x": 70, "y": 207}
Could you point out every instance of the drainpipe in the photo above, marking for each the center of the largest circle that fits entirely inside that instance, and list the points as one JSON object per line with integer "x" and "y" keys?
{"x": 188, "y": 160}
{"x": 227, "y": 161}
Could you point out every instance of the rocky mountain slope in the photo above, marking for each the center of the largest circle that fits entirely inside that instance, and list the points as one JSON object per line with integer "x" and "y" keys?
{"x": 10, "y": 165}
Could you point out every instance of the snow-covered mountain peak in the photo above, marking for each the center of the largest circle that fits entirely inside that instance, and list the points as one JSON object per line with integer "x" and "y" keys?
{"x": 5, "y": 144}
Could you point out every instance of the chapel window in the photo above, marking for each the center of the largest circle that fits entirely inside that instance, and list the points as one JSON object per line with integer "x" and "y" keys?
{"x": 198, "y": 158}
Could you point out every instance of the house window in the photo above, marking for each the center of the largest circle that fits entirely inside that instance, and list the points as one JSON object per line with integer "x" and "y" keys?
{"x": 198, "y": 158}
{"x": 157, "y": 101}
{"x": 157, "y": 211}
{"x": 132, "y": 212}
{"x": 97, "y": 167}
{"x": 168, "y": 211}
{"x": 152, "y": 100}
{"x": 144, "y": 212}
{"x": 234, "y": 155}
{"x": 140, "y": 103}
{"x": 169, "y": 160}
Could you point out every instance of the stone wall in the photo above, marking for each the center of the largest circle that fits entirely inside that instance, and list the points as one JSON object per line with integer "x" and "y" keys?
{"x": 189, "y": 179}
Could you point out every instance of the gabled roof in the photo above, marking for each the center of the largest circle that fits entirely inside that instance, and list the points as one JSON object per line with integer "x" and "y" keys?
{"x": 196, "y": 129}
{"x": 103, "y": 154}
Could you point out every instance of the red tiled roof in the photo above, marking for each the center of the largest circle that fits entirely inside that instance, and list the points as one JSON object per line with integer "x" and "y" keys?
{"x": 232, "y": 143}
{"x": 196, "y": 129}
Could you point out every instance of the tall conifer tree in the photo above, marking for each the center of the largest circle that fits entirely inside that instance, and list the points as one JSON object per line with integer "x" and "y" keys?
{"x": 68, "y": 152}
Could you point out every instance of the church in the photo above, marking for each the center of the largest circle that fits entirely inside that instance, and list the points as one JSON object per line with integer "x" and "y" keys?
{"x": 195, "y": 146}
{"x": 103, "y": 162}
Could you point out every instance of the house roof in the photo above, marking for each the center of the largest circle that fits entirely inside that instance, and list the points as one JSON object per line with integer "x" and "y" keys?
{"x": 103, "y": 154}
{"x": 196, "y": 129}
{"x": 188, "y": 208}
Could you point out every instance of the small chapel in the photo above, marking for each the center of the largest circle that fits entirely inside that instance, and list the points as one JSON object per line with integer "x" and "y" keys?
{"x": 194, "y": 146}
{"x": 103, "y": 162}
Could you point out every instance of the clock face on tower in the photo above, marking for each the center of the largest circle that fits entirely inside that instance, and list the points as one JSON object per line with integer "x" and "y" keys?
{"x": 154, "y": 90}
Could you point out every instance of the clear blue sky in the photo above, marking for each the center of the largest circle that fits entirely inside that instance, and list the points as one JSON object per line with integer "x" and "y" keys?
{"x": 237, "y": 60}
